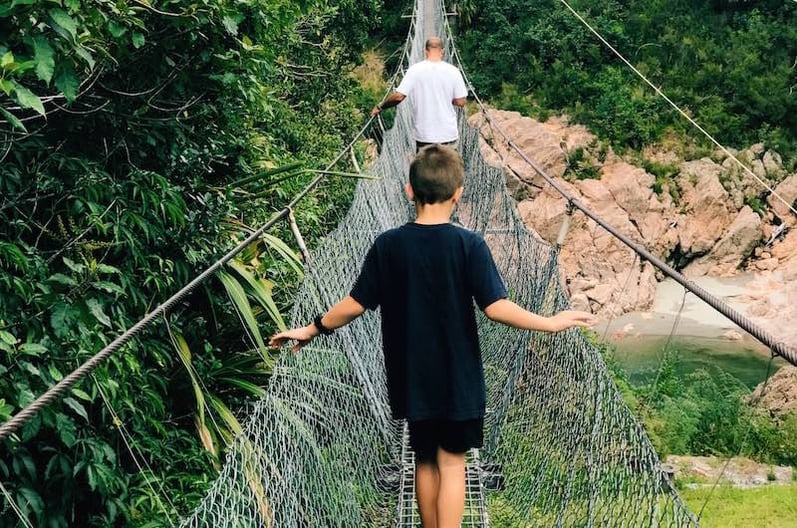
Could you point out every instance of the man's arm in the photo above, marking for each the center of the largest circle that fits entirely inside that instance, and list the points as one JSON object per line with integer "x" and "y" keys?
{"x": 459, "y": 101}
{"x": 506, "y": 312}
{"x": 341, "y": 314}
{"x": 390, "y": 101}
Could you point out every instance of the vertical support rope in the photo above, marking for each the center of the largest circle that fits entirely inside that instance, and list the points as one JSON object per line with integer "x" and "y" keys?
{"x": 560, "y": 239}
{"x": 298, "y": 236}
{"x": 14, "y": 506}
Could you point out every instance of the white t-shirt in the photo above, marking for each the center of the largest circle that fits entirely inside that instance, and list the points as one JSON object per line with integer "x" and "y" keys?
{"x": 431, "y": 87}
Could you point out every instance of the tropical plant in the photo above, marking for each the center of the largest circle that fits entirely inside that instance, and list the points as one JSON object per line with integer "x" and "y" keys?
{"x": 125, "y": 133}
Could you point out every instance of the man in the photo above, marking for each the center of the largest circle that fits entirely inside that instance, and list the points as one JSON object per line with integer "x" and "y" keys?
{"x": 434, "y": 87}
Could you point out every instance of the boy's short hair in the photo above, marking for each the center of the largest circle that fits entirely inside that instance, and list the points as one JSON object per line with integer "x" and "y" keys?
{"x": 436, "y": 173}
{"x": 434, "y": 43}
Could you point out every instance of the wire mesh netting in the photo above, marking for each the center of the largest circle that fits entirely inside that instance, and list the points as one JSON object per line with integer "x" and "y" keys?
{"x": 321, "y": 450}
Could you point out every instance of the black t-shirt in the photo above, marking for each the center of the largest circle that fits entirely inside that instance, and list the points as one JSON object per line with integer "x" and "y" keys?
{"x": 425, "y": 279}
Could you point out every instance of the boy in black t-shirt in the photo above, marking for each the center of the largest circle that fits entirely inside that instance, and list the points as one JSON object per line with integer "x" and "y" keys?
{"x": 425, "y": 276}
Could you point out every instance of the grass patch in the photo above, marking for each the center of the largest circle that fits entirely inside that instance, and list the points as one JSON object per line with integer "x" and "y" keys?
{"x": 728, "y": 507}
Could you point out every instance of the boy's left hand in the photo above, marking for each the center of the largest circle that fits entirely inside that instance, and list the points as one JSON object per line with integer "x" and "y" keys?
{"x": 302, "y": 336}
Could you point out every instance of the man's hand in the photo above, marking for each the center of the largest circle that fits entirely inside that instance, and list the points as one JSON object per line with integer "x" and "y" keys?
{"x": 302, "y": 336}
{"x": 375, "y": 110}
{"x": 570, "y": 318}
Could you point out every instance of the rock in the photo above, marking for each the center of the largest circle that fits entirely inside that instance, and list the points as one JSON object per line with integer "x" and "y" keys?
{"x": 733, "y": 335}
{"x": 579, "y": 301}
{"x": 739, "y": 182}
{"x": 761, "y": 308}
{"x": 736, "y": 245}
{"x": 581, "y": 284}
{"x": 787, "y": 189}
{"x": 705, "y": 202}
{"x": 786, "y": 248}
{"x": 769, "y": 264}
{"x": 707, "y": 225}
{"x": 757, "y": 166}
{"x": 773, "y": 164}
{"x": 780, "y": 397}
{"x": 756, "y": 150}
{"x": 601, "y": 293}
{"x": 770, "y": 300}
{"x": 544, "y": 213}
{"x": 662, "y": 157}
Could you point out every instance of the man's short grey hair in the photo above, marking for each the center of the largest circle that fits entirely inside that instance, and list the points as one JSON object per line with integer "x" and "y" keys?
{"x": 434, "y": 43}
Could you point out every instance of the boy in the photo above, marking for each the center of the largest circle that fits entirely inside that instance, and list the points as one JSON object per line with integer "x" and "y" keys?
{"x": 425, "y": 276}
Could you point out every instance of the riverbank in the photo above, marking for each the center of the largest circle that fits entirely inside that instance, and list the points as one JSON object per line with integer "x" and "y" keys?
{"x": 702, "y": 337}
{"x": 697, "y": 319}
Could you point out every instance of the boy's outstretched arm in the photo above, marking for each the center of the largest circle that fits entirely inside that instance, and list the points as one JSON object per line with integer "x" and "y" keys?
{"x": 506, "y": 312}
{"x": 341, "y": 314}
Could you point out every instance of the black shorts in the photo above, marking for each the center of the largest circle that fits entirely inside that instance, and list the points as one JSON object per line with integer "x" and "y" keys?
{"x": 420, "y": 144}
{"x": 452, "y": 436}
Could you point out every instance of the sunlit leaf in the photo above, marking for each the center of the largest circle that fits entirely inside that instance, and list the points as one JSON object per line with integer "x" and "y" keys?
{"x": 260, "y": 290}
{"x": 282, "y": 248}
{"x": 45, "y": 61}
{"x": 67, "y": 82}
{"x": 63, "y": 20}
{"x": 14, "y": 120}
{"x": 96, "y": 310}
{"x": 28, "y": 99}
{"x": 238, "y": 296}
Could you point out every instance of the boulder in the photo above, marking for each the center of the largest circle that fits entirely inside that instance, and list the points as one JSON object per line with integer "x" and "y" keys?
{"x": 705, "y": 203}
{"x": 769, "y": 264}
{"x": 707, "y": 223}
{"x": 579, "y": 301}
{"x": 780, "y": 396}
{"x": 773, "y": 164}
{"x": 787, "y": 189}
{"x": 738, "y": 242}
{"x": 786, "y": 248}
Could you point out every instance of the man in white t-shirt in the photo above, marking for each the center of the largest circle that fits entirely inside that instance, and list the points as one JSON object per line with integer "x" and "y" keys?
{"x": 434, "y": 87}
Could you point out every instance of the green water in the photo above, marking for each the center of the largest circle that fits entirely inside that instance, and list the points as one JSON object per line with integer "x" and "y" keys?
{"x": 641, "y": 357}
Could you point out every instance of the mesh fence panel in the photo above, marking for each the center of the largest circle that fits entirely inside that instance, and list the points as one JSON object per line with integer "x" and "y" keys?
{"x": 320, "y": 449}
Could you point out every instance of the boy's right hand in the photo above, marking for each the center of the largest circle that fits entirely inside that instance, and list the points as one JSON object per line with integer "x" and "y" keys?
{"x": 570, "y": 318}
{"x": 302, "y": 336}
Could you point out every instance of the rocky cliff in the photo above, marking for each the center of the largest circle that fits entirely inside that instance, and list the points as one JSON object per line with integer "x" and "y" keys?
{"x": 704, "y": 216}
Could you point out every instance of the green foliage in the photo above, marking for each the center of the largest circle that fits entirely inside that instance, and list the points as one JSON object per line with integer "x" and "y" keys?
{"x": 665, "y": 175}
{"x": 704, "y": 413}
{"x": 708, "y": 413}
{"x": 732, "y": 507}
{"x": 757, "y": 204}
{"x": 164, "y": 124}
{"x": 729, "y": 64}
{"x": 581, "y": 167}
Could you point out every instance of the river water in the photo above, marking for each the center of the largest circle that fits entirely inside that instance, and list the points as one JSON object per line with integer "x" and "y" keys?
{"x": 697, "y": 334}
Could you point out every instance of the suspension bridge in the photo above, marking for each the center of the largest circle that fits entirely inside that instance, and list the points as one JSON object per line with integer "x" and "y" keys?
{"x": 320, "y": 448}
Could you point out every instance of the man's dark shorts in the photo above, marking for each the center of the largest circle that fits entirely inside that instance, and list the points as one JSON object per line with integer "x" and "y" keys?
{"x": 419, "y": 145}
{"x": 452, "y": 436}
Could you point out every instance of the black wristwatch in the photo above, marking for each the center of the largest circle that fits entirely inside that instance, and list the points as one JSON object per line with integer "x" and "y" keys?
{"x": 320, "y": 326}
